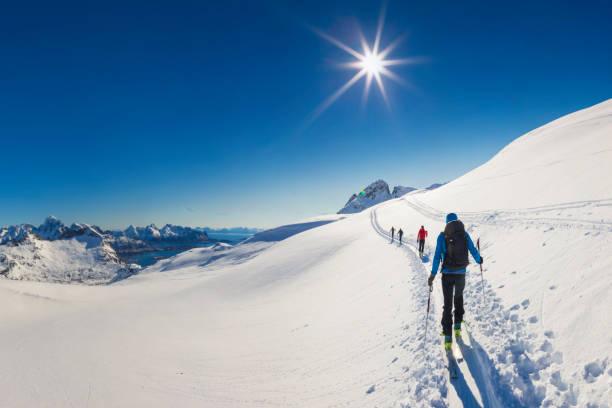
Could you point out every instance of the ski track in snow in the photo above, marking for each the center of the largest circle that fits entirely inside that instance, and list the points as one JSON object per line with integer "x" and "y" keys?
{"x": 465, "y": 388}
{"x": 501, "y": 218}
{"x": 427, "y": 377}
{"x": 504, "y": 368}
{"x": 501, "y": 372}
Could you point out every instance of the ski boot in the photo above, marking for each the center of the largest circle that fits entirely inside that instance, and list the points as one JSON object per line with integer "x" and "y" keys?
{"x": 457, "y": 329}
{"x": 448, "y": 341}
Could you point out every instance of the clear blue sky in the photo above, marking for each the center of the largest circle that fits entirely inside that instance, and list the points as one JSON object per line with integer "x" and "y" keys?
{"x": 191, "y": 112}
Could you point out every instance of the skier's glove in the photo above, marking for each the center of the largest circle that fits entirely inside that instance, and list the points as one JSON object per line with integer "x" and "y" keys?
{"x": 431, "y": 279}
{"x": 481, "y": 260}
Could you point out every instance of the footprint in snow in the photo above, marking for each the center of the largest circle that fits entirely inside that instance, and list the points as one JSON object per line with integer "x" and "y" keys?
{"x": 557, "y": 381}
{"x": 546, "y": 346}
{"x": 593, "y": 370}
{"x": 525, "y": 303}
{"x": 371, "y": 389}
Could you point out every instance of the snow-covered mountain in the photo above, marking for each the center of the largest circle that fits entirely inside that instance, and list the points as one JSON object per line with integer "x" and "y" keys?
{"x": 399, "y": 191}
{"x": 54, "y": 252}
{"x": 81, "y": 259}
{"x": 131, "y": 239}
{"x": 137, "y": 239}
{"x": 435, "y": 185}
{"x": 50, "y": 229}
{"x": 376, "y": 193}
{"x": 168, "y": 233}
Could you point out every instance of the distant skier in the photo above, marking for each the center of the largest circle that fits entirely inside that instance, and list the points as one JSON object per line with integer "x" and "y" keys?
{"x": 452, "y": 249}
{"x": 421, "y": 240}
{"x": 400, "y": 233}
{"x": 392, "y": 233}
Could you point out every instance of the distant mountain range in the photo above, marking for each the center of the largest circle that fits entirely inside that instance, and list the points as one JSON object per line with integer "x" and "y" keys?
{"x": 150, "y": 237}
{"x": 85, "y": 253}
{"x": 376, "y": 193}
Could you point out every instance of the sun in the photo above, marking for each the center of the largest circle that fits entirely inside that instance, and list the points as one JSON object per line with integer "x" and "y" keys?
{"x": 371, "y": 63}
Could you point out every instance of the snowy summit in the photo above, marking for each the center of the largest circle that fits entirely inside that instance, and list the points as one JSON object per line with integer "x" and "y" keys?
{"x": 376, "y": 193}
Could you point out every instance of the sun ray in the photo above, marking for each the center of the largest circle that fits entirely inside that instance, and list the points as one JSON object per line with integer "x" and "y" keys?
{"x": 394, "y": 77}
{"x": 352, "y": 64}
{"x": 338, "y": 43}
{"x": 366, "y": 89}
{"x": 332, "y": 98}
{"x": 364, "y": 44}
{"x": 381, "y": 23}
{"x": 392, "y": 46}
{"x": 382, "y": 89}
{"x": 402, "y": 61}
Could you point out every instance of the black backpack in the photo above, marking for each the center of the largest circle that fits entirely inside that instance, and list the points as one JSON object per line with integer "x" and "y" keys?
{"x": 456, "y": 257}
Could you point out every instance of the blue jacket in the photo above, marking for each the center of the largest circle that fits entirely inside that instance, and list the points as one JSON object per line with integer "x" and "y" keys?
{"x": 441, "y": 251}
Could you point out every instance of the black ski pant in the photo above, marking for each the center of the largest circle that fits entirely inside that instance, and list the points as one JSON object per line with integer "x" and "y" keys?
{"x": 452, "y": 281}
{"x": 400, "y": 238}
{"x": 421, "y": 245}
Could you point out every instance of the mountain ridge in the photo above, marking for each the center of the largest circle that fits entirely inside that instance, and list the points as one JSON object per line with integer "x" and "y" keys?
{"x": 376, "y": 193}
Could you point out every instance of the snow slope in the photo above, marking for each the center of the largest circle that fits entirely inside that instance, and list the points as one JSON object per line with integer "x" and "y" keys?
{"x": 333, "y": 314}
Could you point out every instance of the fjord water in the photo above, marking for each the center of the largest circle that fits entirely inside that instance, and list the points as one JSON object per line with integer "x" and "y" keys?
{"x": 148, "y": 258}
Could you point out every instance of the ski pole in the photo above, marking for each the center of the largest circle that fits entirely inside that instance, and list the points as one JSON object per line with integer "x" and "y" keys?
{"x": 481, "y": 278}
{"x": 427, "y": 318}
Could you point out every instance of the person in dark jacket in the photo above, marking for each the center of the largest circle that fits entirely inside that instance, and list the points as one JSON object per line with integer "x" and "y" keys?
{"x": 399, "y": 234}
{"x": 452, "y": 249}
{"x": 392, "y": 233}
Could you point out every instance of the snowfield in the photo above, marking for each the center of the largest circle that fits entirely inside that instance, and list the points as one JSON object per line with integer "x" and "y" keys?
{"x": 330, "y": 313}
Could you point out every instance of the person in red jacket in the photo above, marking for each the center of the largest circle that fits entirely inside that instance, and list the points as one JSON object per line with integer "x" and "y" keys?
{"x": 421, "y": 240}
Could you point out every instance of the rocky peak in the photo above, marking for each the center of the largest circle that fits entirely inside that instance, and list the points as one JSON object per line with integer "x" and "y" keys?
{"x": 51, "y": 228}
{"x": 399, "y": 191}
{"x": 373, "y": 194}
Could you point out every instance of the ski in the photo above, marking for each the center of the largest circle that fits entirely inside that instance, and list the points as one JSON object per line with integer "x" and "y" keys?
{"x": 457, "y": 353}
{"x": 453, "y": 370}
{"x": 463, "y": 340}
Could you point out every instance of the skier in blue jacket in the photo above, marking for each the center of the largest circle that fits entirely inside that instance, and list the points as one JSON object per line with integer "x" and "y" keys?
{"x": 452, "y": 249}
